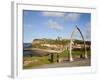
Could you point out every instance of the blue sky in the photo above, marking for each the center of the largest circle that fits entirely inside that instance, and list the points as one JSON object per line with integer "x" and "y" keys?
{"x": 45, "y": 24}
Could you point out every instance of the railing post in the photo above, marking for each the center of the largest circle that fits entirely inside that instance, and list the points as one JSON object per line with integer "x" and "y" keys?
{"x": 52, "y": 58}
{"x": 57, "y": 57}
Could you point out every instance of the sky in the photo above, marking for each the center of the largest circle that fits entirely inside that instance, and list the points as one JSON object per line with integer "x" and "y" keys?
{"x": 50, "y": 25}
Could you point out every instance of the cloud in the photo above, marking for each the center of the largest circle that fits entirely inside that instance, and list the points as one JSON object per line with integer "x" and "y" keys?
{"x": 88, "y": 25}
{"x": 69, "y": 16}
{"x": 88, "y": 31}
{"x": 54, "y": 25}
{"x": 28, "y": 25}
{"x": 72, "y": 16}
{"x": 54, "y": 14}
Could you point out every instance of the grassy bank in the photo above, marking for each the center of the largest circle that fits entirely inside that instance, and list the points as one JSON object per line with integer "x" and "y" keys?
{"x": 34, "y": 61}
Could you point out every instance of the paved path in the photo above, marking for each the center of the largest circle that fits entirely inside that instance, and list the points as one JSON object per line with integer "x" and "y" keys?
{"x": 76, "y": 63}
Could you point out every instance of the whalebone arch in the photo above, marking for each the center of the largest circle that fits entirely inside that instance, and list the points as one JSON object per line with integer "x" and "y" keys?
{"x": 71, "y": 39}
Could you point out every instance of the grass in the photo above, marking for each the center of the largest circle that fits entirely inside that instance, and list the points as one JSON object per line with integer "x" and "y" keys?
{"x": 37, "y": 61}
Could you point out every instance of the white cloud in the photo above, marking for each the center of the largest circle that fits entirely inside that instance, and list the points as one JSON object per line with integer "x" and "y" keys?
{"x": 88, "y": 31}
{"x": 54, "y": 25}
{"x": 88, "y": 25}
{"x": 28, "y": 25}
{"x": 72, "y": 16}
{"x": 54, "y": 14}
{"x": 63, "y": 15}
